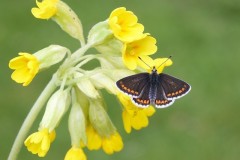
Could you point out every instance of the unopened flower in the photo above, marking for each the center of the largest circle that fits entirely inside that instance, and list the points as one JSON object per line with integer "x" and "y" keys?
{"x": 124, "y": 25}
{"x": 39, "y": 142}
{"x": 75, "y": 153}
{"x": 99, "y": 118}
{"x": 77, "y": 122}
{"x": 101, "y": 80}
{"x": 26, "y": 67}
{"x": 159, "y": 63}
{"x": 133, "y": 116}
{"x": 86, "y": 86}
{"x": 99, "y": 34}
{"x": 46, "y": 9}
{"x": 131, "y": 51}
{"x": 56, "y": 107}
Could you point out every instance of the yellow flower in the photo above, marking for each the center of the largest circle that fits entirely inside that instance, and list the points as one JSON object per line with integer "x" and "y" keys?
{"x": 133, "y": 116}
{"x": 109, "y": 144}
{"x": 26, "y": 66}
{"x": 46, "y": 9}
{"x": 131, "y": 51}
{"x": 124, "y": 25}
{"x": 158, "y": 63}
{"x": 39, "y": 142}
{"x": 94, "y": 140}
{"x": 75, "y": 153}
{"x": 112, "y": 144}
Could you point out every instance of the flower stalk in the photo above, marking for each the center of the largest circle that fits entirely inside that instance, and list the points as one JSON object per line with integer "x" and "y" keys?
{"x": 32, "y": 115}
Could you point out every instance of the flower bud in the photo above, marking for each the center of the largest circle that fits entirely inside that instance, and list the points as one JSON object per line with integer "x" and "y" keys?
{"x": 111, "y": 47}
{"x": 51, "y": 55}
{"x": 82, "y": 100}
{"x": 119, "y": 73}
{"x": 76, "y": 125}
{"x": 100, "y": 33}
{"x": 100, "y": 119}
{"x": 111, "y": 62}
{"x": 86, "y": 86}
{"x": 100, "y": 80}
{"x": 56, "y": 107}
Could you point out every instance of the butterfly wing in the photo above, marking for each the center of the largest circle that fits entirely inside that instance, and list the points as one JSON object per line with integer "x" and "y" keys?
{"x": 161, "y": 100}
{"x": 173, "y": 88}
{"x": 133, "y": 85}
{"x": 143, "y": 100}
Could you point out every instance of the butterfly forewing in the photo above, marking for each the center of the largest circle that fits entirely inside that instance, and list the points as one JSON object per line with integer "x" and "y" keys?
{"x": 174, "y": 88}
{"x": 133, "y": 85}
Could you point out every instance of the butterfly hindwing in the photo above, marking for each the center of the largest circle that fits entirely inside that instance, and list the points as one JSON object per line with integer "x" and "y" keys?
{"x": 174, "y": 88}
{"x": 161, "y": 100}
{"x": 133, "y": 85}
{"x": 143, "y": 100}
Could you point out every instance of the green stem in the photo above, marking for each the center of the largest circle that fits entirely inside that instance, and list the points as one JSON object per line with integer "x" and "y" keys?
{"x": 32, "y": 115}
{"x": 71, "y": 61}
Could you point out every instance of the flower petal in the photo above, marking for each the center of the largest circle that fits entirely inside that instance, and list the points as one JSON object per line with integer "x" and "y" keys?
{"x": 124, "y": 25}
{"x": 26, "y": 66}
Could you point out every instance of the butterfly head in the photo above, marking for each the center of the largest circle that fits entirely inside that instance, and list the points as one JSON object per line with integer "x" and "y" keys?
{"x": 154, "y": 70}
{"x": 154, "y": 66}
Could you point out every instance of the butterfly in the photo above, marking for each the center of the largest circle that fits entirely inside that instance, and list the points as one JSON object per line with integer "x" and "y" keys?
{"x": 152, "y": 88}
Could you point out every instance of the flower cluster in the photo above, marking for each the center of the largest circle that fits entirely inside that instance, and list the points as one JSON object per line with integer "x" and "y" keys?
{"x": 120, "y": 41}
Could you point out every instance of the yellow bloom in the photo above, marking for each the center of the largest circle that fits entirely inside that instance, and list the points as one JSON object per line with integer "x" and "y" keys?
{"x": 39, "y": 142}
{"x": 159, "y": 63}
{"x": 26, "y": 66}
{"x": 75, "y": 153}
{"x": 112, "y": 144}
{"x": 94, "y": 140}
{"x": 124, "y": 25}
{"x": 46, "y": 9}
{"x": 133, "y": 116}
{"x": 109, "y": 144}
{"x": 131, "y": 51}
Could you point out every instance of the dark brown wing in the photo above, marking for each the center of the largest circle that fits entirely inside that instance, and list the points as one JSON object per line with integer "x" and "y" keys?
{"x": 133, "y": 85}
{"x": 161, "y": 100}
{"x": 173, "y": 88}
{"x": 143, "y": 100}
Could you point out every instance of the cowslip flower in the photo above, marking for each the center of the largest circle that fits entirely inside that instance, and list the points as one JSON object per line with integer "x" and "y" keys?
{"x": 62, "y": 14}
{"x": 109, "y": 144}
{"x": 133, "y": 116}
{"x": 131, "y": 51}
{"x": 39, "y": 142}
{"x": 158, "y": 63}
{"x": 75, "y": 153}
{"x": 26, "y": 67}
{"x": 124, "y": 25}
{"x": 46, "y": 9}
{"x": 112, "y": 144}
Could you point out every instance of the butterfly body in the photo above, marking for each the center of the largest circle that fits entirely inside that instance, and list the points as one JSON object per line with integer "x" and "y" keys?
{"x": 156, "y": 89}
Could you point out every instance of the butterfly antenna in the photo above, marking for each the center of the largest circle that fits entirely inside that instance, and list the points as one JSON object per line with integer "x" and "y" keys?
{"x": 144, "y": 62}
{"x": 165, "y": 61}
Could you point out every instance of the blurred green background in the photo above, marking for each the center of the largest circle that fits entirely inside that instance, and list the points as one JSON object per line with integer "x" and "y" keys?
{"x": 203, "y": 36}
